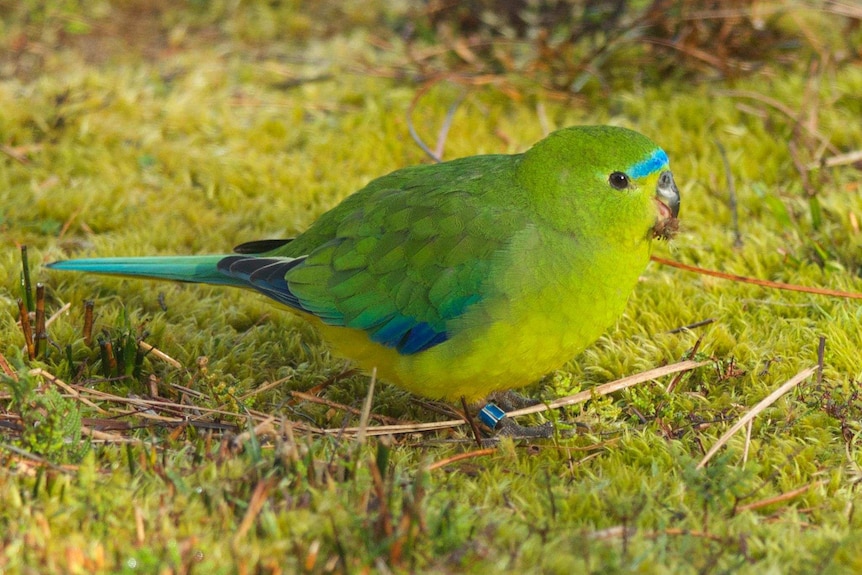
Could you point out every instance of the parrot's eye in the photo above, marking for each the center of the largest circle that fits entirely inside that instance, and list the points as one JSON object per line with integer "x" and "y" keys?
{"x": 619, "y": 180}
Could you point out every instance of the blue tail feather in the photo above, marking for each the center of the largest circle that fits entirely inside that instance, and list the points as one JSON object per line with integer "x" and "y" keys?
{"x": 195, "y": 269}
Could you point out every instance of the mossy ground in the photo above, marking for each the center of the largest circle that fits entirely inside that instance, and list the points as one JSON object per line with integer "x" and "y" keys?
{"x": 128, "y": 130}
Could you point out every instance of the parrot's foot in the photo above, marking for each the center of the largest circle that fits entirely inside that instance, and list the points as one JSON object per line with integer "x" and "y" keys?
{"x": 508, "y": 428}
{"x": 496, "y": 419}
{"x": 510, "y": 400}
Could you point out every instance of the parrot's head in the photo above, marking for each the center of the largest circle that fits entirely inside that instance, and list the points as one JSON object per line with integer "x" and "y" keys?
{"x": 605, "y": 182}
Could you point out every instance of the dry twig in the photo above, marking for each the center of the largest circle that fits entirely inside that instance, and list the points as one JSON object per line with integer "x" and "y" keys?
{"x": 754, "y": 411}
{"x": 756, "y": 281}
{"x": 779, "y": 498}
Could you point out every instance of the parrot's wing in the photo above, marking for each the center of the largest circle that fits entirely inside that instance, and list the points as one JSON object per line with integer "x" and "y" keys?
{"x": 400, "y": 267}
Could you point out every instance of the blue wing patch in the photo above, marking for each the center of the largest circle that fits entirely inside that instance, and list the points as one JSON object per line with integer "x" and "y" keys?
{"x": 407, "y": 335}
{"x": 421, "y": 337}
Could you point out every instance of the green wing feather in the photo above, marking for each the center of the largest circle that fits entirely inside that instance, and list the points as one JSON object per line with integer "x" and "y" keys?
{"x": 407, "y": 254}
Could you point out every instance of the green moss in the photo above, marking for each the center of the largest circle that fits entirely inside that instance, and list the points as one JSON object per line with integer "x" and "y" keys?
{"x": 223, "y": 122}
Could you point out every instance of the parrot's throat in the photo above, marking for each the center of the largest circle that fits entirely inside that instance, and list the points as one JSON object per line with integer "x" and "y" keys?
{"x": 667, "y": 225}
{"x": 666, "y": 228}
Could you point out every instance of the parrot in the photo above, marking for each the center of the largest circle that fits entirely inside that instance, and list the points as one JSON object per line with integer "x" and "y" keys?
{"x": 467, "y": 277}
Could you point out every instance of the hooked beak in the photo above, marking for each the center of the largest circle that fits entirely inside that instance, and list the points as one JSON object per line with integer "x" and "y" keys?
{"x": 667, "y": 193}
{"x": 667, "y": 200}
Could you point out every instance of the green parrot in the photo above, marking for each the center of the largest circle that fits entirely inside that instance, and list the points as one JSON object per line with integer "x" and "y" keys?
{"x": 463, "y": 278}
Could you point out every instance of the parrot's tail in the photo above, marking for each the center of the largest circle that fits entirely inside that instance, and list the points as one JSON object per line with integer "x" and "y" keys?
{"x": 195, "y": 269}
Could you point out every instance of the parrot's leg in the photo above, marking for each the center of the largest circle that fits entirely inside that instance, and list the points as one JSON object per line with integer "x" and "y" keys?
{"x": 511, "y": 400}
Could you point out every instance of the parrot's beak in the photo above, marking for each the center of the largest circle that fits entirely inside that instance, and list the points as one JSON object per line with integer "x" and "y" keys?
{"x": 668, "y": 194}
{"x": 667, "y": 201}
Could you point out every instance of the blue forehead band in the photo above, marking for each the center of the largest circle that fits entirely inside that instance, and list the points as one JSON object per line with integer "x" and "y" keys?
{"x": 656, "y": 161}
